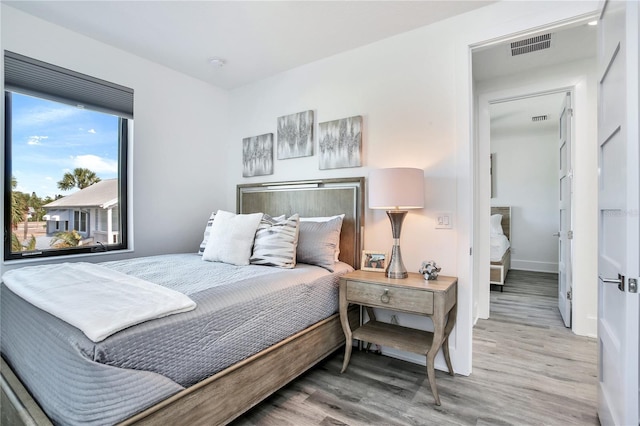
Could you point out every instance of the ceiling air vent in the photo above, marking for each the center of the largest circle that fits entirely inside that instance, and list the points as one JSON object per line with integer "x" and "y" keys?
{"x": 538, "y": 118}
{"x": 531, "y": 44}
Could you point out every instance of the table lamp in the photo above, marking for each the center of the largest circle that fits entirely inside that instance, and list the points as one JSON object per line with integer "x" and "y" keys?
{"x": 396, "y": 190}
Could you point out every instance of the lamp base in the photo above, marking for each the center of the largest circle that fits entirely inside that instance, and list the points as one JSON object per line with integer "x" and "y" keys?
{"x": 395, "y": 267}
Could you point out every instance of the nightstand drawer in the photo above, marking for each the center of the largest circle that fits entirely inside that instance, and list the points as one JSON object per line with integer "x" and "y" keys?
{"x": 402, "y": 299}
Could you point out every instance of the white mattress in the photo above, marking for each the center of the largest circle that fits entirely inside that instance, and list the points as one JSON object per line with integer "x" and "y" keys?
{"x": 499, "y": 245}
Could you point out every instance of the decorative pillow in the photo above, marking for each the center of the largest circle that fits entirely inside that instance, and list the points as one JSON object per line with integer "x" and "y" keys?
{"x": 276, "y": 242}
{"x": 325, "y": 219}
{"x": 207, "y": 231}
{"x": 496, "y": 224}
{"x": 318, "y": 242}
{"x": 231, "y": 238}
{"x": 321, "y": 218}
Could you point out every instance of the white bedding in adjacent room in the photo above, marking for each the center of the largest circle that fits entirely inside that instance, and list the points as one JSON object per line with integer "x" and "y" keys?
{"x": 499, "y": 245}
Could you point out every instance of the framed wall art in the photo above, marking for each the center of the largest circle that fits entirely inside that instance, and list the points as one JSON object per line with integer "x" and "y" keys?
{"x": 340, "y": 143}
{"x": 375, "y": 261}
{"x": 295, "y": 135}
{"x": 257, "y": 155}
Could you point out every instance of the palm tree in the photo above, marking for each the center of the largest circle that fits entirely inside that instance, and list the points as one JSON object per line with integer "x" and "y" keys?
{"x": 19, "y": 207}
{"x": 66, "y": 239}
{"x": 80, "y": 178}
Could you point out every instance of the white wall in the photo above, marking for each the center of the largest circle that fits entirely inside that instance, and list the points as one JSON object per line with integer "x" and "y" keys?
{"x": 582, "y": 77}
{"x": 407, "y": 120}
{"x": 525, "y": 176}
{"x": 180, "y": 126}
{"x": 414, "y": 92}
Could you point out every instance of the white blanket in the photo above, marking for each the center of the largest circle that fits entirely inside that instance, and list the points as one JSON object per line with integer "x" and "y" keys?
{"x": 499, "y": 245}
{"x": 97, "y": 300}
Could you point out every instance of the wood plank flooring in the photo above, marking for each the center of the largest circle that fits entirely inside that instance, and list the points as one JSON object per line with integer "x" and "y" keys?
{"x": 528, "y": 369}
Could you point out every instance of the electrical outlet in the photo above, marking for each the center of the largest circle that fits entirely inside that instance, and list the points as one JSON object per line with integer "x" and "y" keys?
{"x": 444, "y": 220}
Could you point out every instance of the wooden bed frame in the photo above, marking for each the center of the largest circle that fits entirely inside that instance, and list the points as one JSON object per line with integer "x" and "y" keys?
{"x": 498, "y": 270}
{"x": 231, "y": 392}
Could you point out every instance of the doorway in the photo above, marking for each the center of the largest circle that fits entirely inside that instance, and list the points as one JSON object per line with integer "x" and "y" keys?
{"x": 529, "y": 138}
{"x": 546, "y": 71}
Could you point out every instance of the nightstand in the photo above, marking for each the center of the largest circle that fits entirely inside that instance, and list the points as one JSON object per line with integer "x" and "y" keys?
{"x": 436, "y": 299}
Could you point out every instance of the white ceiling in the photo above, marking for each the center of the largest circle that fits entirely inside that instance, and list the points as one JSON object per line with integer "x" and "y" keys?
{"x": 568, "y": 44}
{"x": 256, "y": 38}
{"x": 515, "y": 116}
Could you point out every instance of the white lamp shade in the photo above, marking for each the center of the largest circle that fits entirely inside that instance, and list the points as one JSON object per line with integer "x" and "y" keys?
{"x": 396, "y": 189}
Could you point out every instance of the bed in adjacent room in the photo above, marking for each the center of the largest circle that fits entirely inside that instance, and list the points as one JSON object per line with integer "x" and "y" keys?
{"x": 500, "y": 253}
{"x": 253, "y": 329}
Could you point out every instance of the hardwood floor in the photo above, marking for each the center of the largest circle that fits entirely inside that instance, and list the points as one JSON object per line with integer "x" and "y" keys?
{"x": 528, "y": 369}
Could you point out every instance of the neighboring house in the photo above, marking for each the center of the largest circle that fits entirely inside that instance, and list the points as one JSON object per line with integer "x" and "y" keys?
{"x": 91, "y": 211}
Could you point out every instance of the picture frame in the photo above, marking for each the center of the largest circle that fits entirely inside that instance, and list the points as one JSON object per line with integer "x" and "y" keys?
{"x": 295, "y": 135}
{"x": 257, "y": 155}
{"x": 340, "y": 143}
{"x": 375, "y": 261}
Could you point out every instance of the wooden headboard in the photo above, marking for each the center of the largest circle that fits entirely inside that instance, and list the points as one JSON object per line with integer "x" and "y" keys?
{"x": 322, "y": 197}
{"x": 506, "y": 219}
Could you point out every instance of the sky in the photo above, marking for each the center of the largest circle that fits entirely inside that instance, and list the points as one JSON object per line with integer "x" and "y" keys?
{"x": 49, "y": 139}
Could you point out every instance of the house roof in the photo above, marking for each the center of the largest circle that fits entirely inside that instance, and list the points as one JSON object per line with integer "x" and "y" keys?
{"x": 103, "y": 194}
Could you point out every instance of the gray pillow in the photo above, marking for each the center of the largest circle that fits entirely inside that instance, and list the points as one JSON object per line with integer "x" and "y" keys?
{"x": 276, "y": 242}
{"x": 318, "y": 241}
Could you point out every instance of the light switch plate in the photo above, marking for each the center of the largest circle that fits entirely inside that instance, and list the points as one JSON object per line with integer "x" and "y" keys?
{"x": 444, "y": 220}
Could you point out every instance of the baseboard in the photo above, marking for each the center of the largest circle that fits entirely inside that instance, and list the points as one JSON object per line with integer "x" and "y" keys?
{"x": 439, "y": 363}
{"x": 588, "y": 327}
{"x": 534, "y": 266}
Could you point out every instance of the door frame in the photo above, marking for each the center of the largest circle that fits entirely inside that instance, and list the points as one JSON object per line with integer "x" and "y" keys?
{"x": 471, "y": 196}
{"x": 482, "y": 187}
{"x": 502, "y": 21}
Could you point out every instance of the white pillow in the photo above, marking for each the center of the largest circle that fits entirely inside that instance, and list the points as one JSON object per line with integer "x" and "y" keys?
{"x": 326, "y": 219}
{"x": 496, "y": 224}
{"x": 231, "y": 238}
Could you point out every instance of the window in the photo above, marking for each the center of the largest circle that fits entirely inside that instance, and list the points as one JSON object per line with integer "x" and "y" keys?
{"x": 66, "y": 137}
{"x": 80, "y": 221}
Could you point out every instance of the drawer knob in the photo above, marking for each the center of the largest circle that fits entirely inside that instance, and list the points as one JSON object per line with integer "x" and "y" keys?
{"x": 385, "y": 296}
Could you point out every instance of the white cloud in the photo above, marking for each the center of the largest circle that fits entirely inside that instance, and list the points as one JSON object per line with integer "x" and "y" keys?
{"x": 36, "y": 140}
{"x": 95, "y": 163}
{"x": 44, "y": 115}
{"x": 91, "y": 131}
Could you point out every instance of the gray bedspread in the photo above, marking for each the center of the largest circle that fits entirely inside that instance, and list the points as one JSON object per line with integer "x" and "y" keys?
{"x": 241, "y": 310}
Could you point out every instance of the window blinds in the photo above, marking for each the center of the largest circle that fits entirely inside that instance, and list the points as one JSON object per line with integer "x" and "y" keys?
{"x": 36, "y": 78}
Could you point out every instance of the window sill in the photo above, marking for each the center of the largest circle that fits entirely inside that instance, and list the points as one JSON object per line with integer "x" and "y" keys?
{"x": 65, "y": 258}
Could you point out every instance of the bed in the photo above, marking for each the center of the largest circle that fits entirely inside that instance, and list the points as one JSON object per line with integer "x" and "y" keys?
{"x": 500, "y": 252}
{"x": 193, "y": 395}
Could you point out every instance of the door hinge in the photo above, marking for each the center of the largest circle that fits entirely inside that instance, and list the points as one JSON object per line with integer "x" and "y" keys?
{"x": 470, "y": 251}
{"x": 570, "y": 111}
{"x": 570, "y": 235}
{"x": 633, "y": 285}
{"x": 570, "y": 294}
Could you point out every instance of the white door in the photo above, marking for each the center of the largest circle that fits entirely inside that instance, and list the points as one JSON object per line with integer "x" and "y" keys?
{"x": 619, "y": 211}
{"x": 564, "y": 220}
